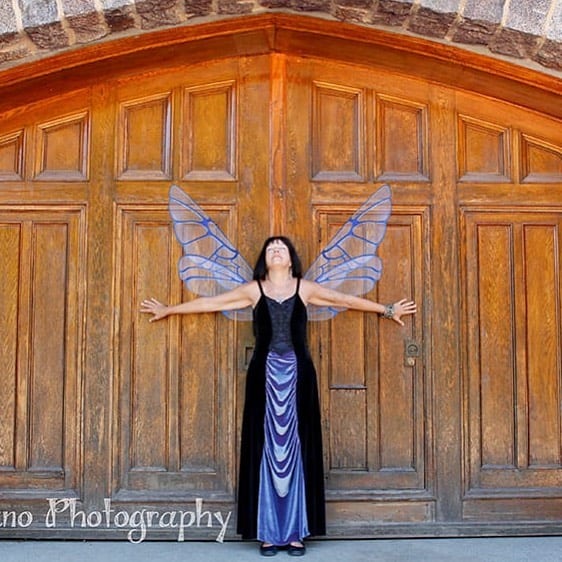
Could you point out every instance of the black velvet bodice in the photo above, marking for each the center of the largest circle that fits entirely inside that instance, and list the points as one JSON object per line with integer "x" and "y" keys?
{"x": 280, "y": 314}
{"x": 281, "y": 326}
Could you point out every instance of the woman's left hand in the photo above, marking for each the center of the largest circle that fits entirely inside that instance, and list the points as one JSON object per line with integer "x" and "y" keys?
{"x": 402, "y": 308}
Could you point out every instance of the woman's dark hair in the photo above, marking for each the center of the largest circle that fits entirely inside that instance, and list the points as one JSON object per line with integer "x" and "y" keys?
{"x": 260, "y": 269}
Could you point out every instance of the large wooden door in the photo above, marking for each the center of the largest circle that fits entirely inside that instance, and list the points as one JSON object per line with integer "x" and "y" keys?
{"x": 375, "y": 384}
{"x": 375, "y": 400}
{"x": 103, "y": 406}
{"x": 510, "y": 210}
{"x": 176, "y": 384}
{"x": 445, "y": 426}
{"x": 455, "y": 418}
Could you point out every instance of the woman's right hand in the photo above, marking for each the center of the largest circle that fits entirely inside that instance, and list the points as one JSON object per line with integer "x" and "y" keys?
{"x": 154, "y": 307}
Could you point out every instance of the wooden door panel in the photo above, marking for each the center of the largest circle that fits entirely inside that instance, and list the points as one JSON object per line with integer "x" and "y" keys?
{"x": 144, "y": 138}
{"x": 402, "y": 138}
{"x": 513, "y": 352}
{"x": 338, "y": 134}
{"x": 405, "y": 441}
{"x": 365, "y": 124}
{"x": 175, "y": 404}
{"x": 506, "y": 155}
{"x": 174, "y": 428}
{"x": 543, "y": 327}
{"x": 12, "y": 155}
{"x": 42, "y": 274}
{"x": 209, "y": 132}
{"x": 10, "y": 240}
{"x": 373, "y": 403}
{"x": 361, "y": 128}
{"x": 62, "y": 148}
{"x": 484, "y": 152}
{"x": 541, "y": 161}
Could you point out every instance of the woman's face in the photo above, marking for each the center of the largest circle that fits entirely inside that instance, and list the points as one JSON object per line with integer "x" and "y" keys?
{"x": 277, "y": 254}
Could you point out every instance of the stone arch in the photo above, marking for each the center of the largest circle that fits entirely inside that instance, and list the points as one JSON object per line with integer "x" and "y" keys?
{"x": 502, "y": 29}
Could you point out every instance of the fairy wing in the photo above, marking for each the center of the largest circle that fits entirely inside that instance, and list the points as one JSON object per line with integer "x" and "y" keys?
{"x": 349, "y": 262}
{"x": 210, "y": 264}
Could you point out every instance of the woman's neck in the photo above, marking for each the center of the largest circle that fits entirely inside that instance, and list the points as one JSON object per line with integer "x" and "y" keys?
{"x": 278, "y": 276}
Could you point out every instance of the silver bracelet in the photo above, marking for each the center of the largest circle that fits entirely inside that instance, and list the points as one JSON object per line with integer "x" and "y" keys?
{"x": 388, "y": 311}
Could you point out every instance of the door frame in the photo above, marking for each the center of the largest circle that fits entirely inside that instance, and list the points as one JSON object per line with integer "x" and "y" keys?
{"x": 304, "y": 36}
{"x": 288, "y": 34}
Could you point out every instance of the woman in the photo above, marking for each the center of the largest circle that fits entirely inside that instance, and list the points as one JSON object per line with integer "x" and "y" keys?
{"x": 281, "y": 480}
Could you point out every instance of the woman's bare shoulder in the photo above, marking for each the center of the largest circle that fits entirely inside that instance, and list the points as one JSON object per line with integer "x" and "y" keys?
{"x": 309, "y": 285}
{"x": 307, "y": 289}
{"x": 252, "y": 290}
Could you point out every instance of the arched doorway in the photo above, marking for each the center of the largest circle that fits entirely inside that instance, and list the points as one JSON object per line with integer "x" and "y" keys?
{"x": 270, "y": 131}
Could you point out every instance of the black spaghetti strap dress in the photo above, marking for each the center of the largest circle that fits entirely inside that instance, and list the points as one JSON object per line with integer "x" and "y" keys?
{"x": 281, "y": 478}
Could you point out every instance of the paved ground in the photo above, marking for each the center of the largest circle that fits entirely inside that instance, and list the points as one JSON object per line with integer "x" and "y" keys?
{"x": 519, "y": 549}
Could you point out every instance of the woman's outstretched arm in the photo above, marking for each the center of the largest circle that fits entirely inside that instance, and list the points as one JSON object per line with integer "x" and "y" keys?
{"x": 241, "y": 297}
{"x": 313, "y": 293}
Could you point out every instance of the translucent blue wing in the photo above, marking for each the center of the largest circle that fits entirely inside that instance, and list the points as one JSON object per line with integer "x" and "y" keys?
{"x": 349, "y": 262}
{"x": 210, "y": 264}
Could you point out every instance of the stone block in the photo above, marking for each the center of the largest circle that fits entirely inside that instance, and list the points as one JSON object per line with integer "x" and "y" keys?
{"x": 360, "y": 4}
{"x": 276, "y": 3}
{"x": 513, "y": 44}
{"x": 49, "y": 37}
{"x": 391, "y": 12}
{"x": 441, "y": 6}
{"x": 157, "y": 13}
{"x": 198, "y": 7}
{"x": 554, "y": 27}
{"x": 235, "y": 7}
{"x": 352, "y": 15}
{"x": 299, "y": 5}
{"x": 430, "y": 23}
{"x": 550, "y": 55}
{"x": 35, "y": 13}
{"x": 528, "y": 17}
{"x": 78, "y": 7}
{"x": 312, "y": 5}
{"x": 8, "y": 23}
{"x": 116, "y": 4}
{"x": 7, "y": 39}
{"x": 14, "y": 55}
{"x": 490, "y": 11}
{"x": 87, "y": 27}
{"x": 474, "y": 32}
{"x": 119, "y": 19}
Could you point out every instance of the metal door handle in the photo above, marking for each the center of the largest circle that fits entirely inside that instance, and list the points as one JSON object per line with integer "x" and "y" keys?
{"x": 412, "y": 350}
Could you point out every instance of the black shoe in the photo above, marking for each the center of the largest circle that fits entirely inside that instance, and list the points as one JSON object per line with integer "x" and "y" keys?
{"x": 294, "y": 550}
{"x": 270, "y": 550}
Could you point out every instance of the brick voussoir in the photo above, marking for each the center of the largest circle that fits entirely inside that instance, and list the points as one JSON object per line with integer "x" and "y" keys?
{"x": 474, "y": 32}
{"x": 430, "y": 23}
{"x": 50, "y": 36}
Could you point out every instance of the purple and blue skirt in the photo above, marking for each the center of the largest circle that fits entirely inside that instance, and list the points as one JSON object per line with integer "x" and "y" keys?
{"x": 282, "y": 503}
